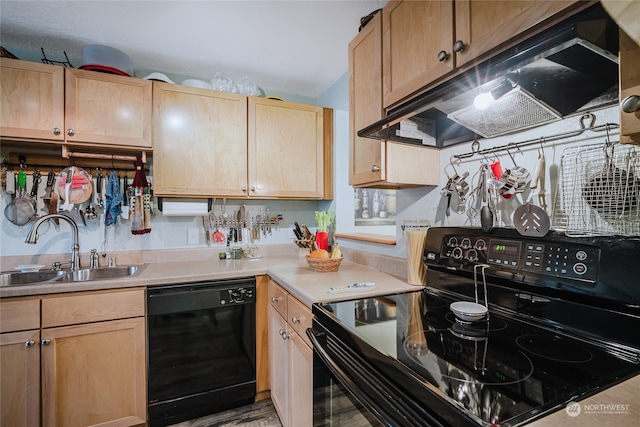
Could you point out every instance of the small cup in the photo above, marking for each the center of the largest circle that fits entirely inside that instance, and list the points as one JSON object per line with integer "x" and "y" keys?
{"x": 222, "y": 255}
{"x": 236, "y": 253}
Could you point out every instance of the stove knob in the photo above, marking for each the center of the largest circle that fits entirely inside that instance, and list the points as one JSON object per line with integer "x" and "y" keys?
{"x": 457, "y": 253}
{"x": 472, "y": 255}
{"x": 452, "y": 242}
{"x": 466, "y": 243}
{"x": 480, "y": 245}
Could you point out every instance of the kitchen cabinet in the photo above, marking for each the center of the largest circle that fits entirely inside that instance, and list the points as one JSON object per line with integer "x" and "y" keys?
{"x": 49, "y": 103}
{"x": 291, "y": 358}
{"x": 32, "y": 98}
{"x": 209, "y": 143}
{"x": 20, "y": 362}
{"x": 424, "y": 41}
{"x": 629, "y": 88}
{"x": 262, "y": 337}
{"x": 374, "y": 163}
{"x": 90, "y": 350}
{"x": 200, "y": 142}
{"x": 290, "y": 150}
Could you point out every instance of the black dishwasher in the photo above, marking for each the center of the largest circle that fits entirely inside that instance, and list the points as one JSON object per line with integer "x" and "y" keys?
{"x": 201, "y": 349}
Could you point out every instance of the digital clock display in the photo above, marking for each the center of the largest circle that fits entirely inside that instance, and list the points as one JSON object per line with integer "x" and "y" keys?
{"x": 503, "y": 248}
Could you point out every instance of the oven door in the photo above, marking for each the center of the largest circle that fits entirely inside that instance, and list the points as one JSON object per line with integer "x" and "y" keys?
{"x": 349, "y": 390}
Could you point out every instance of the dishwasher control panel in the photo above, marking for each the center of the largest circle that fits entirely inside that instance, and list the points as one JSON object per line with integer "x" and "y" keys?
{"x": 237, "y": 296}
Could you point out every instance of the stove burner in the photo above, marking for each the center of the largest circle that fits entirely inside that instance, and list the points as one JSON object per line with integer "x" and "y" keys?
{"x": 495, "y": 324}
{"x": 445, "y": 354}
{"x": 554, "y": 348}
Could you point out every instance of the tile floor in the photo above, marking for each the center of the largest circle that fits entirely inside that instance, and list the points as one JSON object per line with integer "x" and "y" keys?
{"x": 259, "y": 414}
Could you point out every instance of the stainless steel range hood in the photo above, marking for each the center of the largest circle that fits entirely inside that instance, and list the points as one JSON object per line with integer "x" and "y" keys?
{"x": 569, "y": 69}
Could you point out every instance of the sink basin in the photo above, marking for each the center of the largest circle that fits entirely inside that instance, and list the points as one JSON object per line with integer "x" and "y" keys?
{"x": 30, "y": 278}
{"x": 84, "y": 275}
{"x": 106, "y": 273}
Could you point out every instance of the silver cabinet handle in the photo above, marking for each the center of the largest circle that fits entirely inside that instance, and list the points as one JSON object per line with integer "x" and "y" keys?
{"x": 70, "y": 132}
{"x": 295, "y": 319}
{"x": 630, "y": 104}
{"x": 244, "y": 189}
{"x": 443, "y": 56}
{"x": 375, "y": 168}
{"x": 275, "y": 299}
{"x": 459, "y": 46}
{"x": 283, "y": 334}
{"x": 45, "y": 341}
{"x": 30, "y": 343}
{"x": 56, "y": 131}
{"x": 253, "y": 189}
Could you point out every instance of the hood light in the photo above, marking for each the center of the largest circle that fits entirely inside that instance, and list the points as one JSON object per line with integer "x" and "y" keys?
{"x": 486, "y": 99}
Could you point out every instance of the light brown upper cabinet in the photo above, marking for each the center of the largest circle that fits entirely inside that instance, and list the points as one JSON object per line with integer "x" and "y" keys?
{"x": 200, "y": 142}
{"x": 107, "y": 109}
{"x": 32, "y": 100}
{"x": 424, "y": 41}
{"x": 209, "y": 143}
{"x": 49, "y": 103}
{"x": 374, "y": 163}
{"x": 629, "y": 90}
{"x": 290, "y": 150}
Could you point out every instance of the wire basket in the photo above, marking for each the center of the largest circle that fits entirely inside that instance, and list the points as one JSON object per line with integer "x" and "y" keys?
{"x": 598, "y": 191}
{"x": 324, "y": 265}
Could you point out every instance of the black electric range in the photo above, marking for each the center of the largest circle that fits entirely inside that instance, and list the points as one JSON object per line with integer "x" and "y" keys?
{"x": 562, "y": 325}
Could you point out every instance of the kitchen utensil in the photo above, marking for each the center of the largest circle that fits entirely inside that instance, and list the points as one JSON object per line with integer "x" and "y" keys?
{"x": 125, "y": 198}
{"x": 486, "y": 214}
{"x": 51, "y": 177}
{"x": 106, "y": 59}
{"x": 99, "y": 181}
{"x": 75, "y": 186}
{"x": 473, "y": 311}
{"x": 90, "y": 213}
{"x": 20, "y": 210}
{"x": 206, "y": 223}
{"x": 10, "y": 182}
{"x": 531, "y": 220}
{"x": 612, "y": 191}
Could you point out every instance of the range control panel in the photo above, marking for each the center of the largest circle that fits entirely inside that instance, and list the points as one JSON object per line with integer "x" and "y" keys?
{"x": 572, "y": 261}
{"x": 237, "y": 296}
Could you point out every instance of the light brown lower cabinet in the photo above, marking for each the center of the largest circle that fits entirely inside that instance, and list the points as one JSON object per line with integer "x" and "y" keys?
{"x": 290, "y": 358}
{"x": 90, "y": 349}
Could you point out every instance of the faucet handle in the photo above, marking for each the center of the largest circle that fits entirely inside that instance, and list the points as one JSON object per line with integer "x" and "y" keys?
{"x": 94, "y": 259}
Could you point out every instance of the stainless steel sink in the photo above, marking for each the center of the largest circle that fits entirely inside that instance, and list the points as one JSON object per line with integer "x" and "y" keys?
{"x": 30, "y": 278}
{"x": 106, "y": 273}
{"x": 83, "y": 275}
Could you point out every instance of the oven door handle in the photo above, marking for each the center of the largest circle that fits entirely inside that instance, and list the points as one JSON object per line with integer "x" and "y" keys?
{"x": 369, "y": 390}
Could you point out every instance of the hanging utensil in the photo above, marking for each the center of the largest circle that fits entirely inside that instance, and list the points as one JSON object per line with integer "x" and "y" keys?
{"x": 20, "y": 210}
{"x": 125, "y": 198}
{"x": 486, "y": 215}
{"x": 99, "y": 180}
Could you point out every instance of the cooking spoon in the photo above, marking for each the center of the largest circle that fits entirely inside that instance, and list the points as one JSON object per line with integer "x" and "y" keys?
{"x": 486, "y": 215}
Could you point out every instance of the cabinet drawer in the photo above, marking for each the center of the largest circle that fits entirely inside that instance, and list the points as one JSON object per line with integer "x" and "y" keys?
{"x": 299, "y": 318}
{"x": 92, "y": 307}
{"x": 278, "y": 298}
{"x": 19, "y": 315}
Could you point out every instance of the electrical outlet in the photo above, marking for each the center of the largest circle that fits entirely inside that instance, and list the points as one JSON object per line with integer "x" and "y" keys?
{"x": 193, "y": 237}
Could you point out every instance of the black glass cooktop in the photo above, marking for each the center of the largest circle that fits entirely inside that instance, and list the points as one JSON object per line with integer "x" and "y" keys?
{"x": 500, "y": 370}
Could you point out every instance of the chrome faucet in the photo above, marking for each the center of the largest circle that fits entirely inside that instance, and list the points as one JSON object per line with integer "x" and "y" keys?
{"x": 32, "y": 237}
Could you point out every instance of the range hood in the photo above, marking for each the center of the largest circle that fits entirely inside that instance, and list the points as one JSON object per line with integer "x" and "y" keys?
{"x": 570, "y": 69}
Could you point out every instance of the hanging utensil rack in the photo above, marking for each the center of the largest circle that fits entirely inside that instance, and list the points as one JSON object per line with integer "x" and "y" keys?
{"x": 587, "y": 123}
{"x": 57, "y": 162}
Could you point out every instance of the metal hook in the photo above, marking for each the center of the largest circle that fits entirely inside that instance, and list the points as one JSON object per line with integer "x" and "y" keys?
{"x": 509, "y": 153}
{"x": 541, "y": 148}
{"x": 592, "y": 120}
{"x": 608, "y": 142}
{"x": 453, "y": 166}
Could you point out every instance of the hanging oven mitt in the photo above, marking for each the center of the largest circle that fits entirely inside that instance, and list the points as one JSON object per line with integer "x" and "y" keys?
{"x": 113, "y": 200}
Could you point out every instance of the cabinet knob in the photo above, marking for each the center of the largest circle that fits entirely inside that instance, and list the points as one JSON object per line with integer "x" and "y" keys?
{"x": 443, "y": 56}
{"x": 275, "y": 299}
{"x": 630, "y": 104}
{"x": 253, "y": 189}
{"x": 45, "y": 341}
{"x": 459, "y": 46}
{"x": 283, "y": 334}
{"x": 244, "y": 189}
{"x": 375, "y": 168}
{"x": 295, "y": 319}
{"x": 30, "y": 343}
{"x": 56, "y": 131}
{"x": 70, "y": 132}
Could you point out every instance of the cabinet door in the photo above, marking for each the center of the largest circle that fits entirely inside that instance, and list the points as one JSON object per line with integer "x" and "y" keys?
{"x": 629, "y": 86}
{"x": 200, "y": 142}
{"x": 482, "y": 25}
{"x": 417, "y": 44}
{"x": 279, "y": 364}
{"x": 289, "y": 150}
{"x": 20, "y": 379}
{"x": 366, "y": 156}
{"x": 94, "y": 374}
{"x": 262, "y": 337}
{"x": 107, "y": 109}
{"x": 32, "y": 99}
{"x": 301, "y": 382}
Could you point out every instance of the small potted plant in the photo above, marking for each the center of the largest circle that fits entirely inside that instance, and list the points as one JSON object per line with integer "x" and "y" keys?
{"x": 324, "y": 220}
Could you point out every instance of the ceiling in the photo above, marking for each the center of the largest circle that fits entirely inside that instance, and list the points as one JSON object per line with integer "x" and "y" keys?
{"x": 296, "y": 47}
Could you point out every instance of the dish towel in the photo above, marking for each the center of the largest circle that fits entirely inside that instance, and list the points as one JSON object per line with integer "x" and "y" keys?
{"x": 113, "y": 200}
